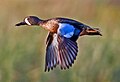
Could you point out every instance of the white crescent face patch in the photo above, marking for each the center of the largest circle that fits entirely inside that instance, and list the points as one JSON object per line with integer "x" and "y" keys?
{"x": 26, "y": 20}
{"x": 66, "y": 30}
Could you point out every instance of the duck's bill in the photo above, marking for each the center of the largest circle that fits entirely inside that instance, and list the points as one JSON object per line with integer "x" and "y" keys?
{"x": 21, "y": 23}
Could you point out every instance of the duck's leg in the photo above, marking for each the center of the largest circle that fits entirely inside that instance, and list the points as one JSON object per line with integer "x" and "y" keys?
{"x": 90, "y": 31}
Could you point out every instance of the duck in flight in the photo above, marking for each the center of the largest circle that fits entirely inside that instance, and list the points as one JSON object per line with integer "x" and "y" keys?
{"x": 61, "y": 45}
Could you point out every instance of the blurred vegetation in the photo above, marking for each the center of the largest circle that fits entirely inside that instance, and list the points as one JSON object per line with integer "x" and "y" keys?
{"x": 22, "y": 50}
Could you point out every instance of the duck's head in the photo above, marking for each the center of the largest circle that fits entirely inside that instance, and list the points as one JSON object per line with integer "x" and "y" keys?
{"x": 29, "y": 20}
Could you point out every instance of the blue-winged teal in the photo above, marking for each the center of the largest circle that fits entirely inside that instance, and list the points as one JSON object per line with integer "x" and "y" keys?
{"x": 61, "y": 40}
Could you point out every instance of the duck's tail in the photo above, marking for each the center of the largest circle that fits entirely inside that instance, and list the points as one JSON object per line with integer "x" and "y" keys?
{"x": 90, "y": 31}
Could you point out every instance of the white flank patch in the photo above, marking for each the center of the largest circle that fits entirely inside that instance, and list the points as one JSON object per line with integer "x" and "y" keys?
{"x": 26, "y": 20}
{"x": 66, "y": 30}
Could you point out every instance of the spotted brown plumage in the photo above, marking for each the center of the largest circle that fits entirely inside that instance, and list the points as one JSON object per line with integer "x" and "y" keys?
{"x": 61, "y": 45}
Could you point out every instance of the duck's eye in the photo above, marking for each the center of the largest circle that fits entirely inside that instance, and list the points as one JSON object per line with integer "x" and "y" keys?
{"x": 26, "y": 20}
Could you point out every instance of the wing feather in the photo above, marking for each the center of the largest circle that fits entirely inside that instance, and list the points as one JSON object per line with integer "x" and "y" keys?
{"x": 69, "y": 49}
{"x": 60, "y": 50}
{"x": 51, "y": 53}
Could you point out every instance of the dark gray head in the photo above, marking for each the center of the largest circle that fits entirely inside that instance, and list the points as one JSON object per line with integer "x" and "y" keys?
{"x": 29, "y": 20}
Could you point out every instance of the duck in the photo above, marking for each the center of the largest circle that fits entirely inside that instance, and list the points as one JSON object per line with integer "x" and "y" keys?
{"x": 61, "y": 41}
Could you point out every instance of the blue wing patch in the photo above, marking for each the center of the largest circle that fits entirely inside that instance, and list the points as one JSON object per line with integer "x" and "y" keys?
{"x": 66, "y": 30}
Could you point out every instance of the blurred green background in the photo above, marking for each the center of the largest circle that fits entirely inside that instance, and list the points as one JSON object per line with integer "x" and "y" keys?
{"x": 22, "y": 50}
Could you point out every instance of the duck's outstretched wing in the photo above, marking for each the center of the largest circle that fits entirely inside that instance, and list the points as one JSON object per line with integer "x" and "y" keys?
{"x": 67, "y": 52}
{"x": 60, "y": 50}
{"x": 51, "y": 52}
